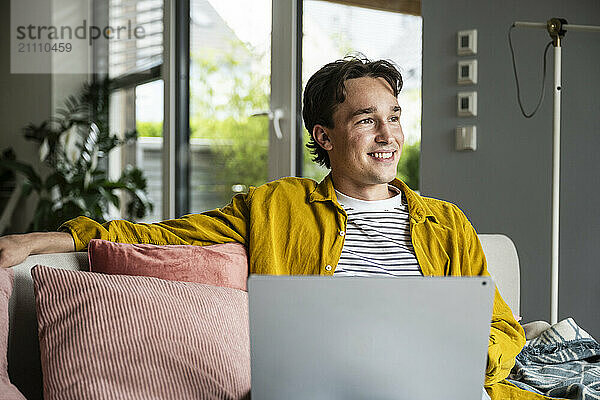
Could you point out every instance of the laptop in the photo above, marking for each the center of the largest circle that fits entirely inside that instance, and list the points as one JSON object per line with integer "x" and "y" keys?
{"x": 328, "y": 338}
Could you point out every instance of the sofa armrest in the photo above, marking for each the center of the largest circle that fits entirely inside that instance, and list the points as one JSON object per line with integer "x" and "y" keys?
{"x": 534, "y": 329}
{"x": 24, "y": 367}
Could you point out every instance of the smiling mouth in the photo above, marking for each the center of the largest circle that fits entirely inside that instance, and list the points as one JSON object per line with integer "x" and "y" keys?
{"x": 382, "y": 155}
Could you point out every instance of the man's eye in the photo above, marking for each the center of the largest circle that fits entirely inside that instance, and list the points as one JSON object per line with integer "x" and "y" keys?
{"x": 366, "y": 121}
{"x": 394, "y": 118}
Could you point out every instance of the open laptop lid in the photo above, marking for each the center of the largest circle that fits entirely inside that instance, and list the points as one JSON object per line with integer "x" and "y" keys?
{"x": 379, "y": 338}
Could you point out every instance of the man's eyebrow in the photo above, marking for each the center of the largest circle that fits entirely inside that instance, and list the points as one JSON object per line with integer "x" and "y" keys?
{"x": 371, "y": 110}
{"x": 368, "y": 110}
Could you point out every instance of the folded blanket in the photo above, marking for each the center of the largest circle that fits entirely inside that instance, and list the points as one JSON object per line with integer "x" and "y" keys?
{"x": 563, "y": 362}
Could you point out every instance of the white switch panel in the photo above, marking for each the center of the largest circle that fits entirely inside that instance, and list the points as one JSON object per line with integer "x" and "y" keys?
{"x": 466, "y": 138}
{"x": 467, "y": 104}
{"x": 467, "y": 72}
{"x": 467, "y": 42}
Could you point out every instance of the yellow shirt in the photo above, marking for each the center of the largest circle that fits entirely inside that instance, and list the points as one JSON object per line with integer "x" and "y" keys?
{"x": 294, "y": 226}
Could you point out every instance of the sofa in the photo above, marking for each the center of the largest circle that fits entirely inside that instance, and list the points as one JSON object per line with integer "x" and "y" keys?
{"x": 24, "y": 365}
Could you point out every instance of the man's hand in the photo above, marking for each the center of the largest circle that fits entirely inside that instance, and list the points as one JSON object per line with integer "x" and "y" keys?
{"x": 14, "y": 249}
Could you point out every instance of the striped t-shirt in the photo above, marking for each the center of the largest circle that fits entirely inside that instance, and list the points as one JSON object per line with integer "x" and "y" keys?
{"x": 377, "y": 239}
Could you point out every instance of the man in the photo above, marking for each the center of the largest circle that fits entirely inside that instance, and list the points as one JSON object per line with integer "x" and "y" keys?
{"x": 296, "y": 226}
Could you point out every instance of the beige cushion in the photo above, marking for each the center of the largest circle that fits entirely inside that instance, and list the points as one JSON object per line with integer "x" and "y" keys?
{"x": 24, "y": 366}
{"x": 7, "y": 390}
{"x": 503, "y": 265}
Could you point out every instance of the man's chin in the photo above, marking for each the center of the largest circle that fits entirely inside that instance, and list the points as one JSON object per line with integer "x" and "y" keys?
{"x": 389, "y": 175}
{"x": 381, "y": 179}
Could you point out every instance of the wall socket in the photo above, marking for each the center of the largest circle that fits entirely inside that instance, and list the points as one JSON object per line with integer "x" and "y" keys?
{"x": 466, "y": 138}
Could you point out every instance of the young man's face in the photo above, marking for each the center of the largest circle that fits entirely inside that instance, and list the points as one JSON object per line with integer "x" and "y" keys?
{"x": 365, "y": 144}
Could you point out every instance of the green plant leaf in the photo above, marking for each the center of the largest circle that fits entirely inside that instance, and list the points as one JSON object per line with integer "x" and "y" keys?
{"x": 130, "y": 136}
{"x": 6, "y": 174}
{"x": 26, "y": 188}
{"x": 107, "y": 143}
{"x": 109, "y": 196}
{"x": 54, "y": 179}
{"x": 24, "y": 169}
{"x": 133, "y": 177}
{"x": 37, "y": 132}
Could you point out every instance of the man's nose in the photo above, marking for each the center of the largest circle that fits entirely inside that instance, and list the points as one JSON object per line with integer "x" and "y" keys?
{"x": 384, "y": 132}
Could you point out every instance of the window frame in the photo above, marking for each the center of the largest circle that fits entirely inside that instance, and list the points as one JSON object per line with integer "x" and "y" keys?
{"x": 123, "y": 114}
{"x": 285, "y": 155}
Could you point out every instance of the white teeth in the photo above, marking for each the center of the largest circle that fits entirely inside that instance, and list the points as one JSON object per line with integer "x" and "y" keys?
{"x": 382, "y": 155}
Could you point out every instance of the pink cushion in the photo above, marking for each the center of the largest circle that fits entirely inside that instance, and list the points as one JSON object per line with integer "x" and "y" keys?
{"x": 7, "y": 390}
{"x": 125, "y": 337}
{"x": 219, "y": 265}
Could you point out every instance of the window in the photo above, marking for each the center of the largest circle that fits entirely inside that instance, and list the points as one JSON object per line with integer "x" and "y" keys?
{"x": 136, "y": 101}
{"x": 149, "y": 109}
{"x": 135, "y": 54}
{"x": 230, "y": 48}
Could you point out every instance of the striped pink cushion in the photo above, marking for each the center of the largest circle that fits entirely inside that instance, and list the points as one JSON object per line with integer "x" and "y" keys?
{"x": 125, "y": 337}
{"x": 7, "y": 390}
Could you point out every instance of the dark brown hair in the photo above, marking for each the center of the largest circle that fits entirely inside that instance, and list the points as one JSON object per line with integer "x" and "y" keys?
{"x": 326, "y": 89}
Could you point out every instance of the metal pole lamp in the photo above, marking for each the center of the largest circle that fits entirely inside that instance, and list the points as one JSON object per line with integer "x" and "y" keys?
{"x": 557, "y": 28}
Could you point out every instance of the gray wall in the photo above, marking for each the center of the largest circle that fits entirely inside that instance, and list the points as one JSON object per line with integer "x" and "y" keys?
{"x": 505, "y": 186}
{"x": 29, "y": 98}
{"x": 23, "y": 99}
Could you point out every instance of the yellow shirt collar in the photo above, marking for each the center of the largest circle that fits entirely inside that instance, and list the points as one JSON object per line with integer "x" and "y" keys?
{"x": 417, "y": 208}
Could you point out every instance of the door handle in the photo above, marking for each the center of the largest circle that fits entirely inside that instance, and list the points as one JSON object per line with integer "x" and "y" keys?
{"x": 274, "y": 116}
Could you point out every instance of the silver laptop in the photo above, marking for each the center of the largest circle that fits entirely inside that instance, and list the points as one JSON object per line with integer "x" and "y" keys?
{"x": 369, "y": 338}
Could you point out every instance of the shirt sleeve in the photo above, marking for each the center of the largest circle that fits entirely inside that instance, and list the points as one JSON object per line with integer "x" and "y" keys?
{"x": 223, "y": 225}
{"x": 507, "y": 337}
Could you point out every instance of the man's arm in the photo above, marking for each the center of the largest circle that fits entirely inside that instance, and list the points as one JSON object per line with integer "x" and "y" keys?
{"x": 223, "y": 225}
{"x": 14, "y": 249}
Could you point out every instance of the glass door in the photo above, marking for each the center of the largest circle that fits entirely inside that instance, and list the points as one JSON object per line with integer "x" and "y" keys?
{"x": 137, "y": 94}
{"x": 230, "y": 64}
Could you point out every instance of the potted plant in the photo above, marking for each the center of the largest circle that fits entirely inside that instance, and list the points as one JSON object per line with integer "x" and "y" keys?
{"x": 74, "y": 145}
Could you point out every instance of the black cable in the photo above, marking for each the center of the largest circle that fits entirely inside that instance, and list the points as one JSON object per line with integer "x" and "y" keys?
{"x": 512, "y": 52}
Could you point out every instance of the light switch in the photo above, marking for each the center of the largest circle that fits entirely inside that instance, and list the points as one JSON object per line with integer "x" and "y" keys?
{"x": 466, "y": 138}
{"x": 467, "y": 42}
{"x": 467, "y": 72}
{"x": 467, "y": 104}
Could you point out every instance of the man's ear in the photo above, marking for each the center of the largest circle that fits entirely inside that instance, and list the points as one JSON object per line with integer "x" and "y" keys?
{"x": 321, "y": 137}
